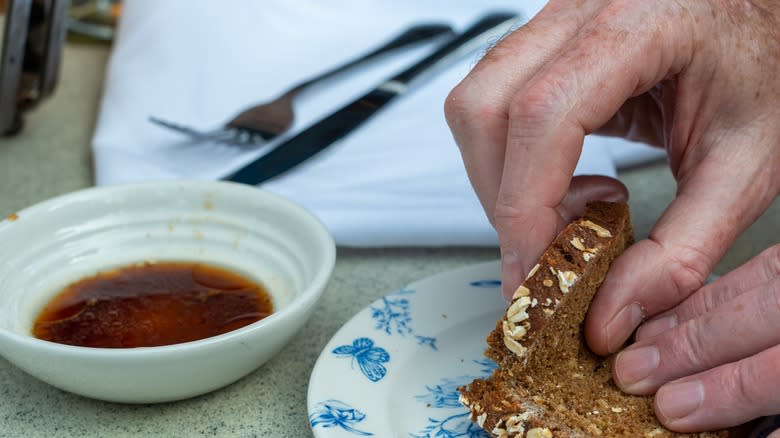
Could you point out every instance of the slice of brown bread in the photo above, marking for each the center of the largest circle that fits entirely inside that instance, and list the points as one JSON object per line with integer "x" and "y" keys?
{"x": 548, "y": 383}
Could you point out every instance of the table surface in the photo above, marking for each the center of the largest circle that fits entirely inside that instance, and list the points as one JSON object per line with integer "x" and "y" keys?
{"x": 52, "y": 157}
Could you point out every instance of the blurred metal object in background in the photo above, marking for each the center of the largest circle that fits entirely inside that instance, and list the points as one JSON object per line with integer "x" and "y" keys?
{"x": 33, "y": 38}
{"x": 94, "y": 19}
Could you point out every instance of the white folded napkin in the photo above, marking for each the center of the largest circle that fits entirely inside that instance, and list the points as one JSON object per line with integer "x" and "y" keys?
{"x": 398, "y": 180}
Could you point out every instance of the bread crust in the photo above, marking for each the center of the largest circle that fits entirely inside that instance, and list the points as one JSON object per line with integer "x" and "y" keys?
{"x": 548, "y": 383}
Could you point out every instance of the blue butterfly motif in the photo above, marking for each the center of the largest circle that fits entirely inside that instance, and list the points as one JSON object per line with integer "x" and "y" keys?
{"x": 369, "y": 358}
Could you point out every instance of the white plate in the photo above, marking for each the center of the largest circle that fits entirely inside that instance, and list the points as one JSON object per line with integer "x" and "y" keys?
{"x": 393, "y": 369}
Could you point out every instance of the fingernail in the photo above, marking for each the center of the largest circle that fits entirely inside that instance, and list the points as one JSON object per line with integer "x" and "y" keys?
{"x": 620, "y": 327}
{"x": 511, "y": 272}
{"x": 679, "y": 400}
{"x": 656, "y": 326}
{"x": 634, "y": 365}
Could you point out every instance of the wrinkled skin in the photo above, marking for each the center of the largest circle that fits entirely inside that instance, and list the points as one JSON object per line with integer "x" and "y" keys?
{"x": 700, "y": 78}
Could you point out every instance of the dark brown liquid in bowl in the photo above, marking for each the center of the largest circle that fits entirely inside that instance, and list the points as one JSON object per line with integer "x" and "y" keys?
{"x": 152, "y": 304}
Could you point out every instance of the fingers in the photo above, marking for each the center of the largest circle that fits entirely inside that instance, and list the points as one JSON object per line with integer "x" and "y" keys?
{"x": 756, "y": 272}
{"x": 477, "y": 109}
{"x": 744, "y": 326}
{"x": 569, "y": 97}
{"x": 583, "y": 188}
{"x": 692, "y": 235}
{"x": 477, "y": 112}
{"x": 722, "y": 397}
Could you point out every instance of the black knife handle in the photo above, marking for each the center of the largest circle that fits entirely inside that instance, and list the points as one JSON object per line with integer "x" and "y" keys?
{"x": 457, "y": 44}
{"x": 413, "y": 35}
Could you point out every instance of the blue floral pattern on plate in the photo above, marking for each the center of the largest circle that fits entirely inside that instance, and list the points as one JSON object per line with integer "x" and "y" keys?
{"x": 392, "y": 314}
{"x": 445, "y": 395}
{"x": 368, "y": 357}
{"x": 429, "y": 360}
{"x": 335, "y": 413}
{"x": 458, "y": 425}
{"x": 426, "y": 341}
{"x": 488, "y": 366}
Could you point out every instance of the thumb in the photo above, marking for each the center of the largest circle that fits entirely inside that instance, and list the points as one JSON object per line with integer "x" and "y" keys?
{"x": 717, "y": 199}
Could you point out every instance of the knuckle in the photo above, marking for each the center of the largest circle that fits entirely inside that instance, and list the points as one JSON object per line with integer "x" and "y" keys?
{"x": 509, "y": 217}
{"x": 458, "y": 105}
{"x": 687, "y": 347}
{"x": 740, "y": 383}
{"x": 508, "y": 205}
{"x": 769, "y": 299}
{"x": 774, "y": 307}
{"x": 537, "y": 104}
{"x": 469, "y": 108}
{"x": 771, "y": 258}
{"x": 750, "y": 383}
{"x": 707, "y": 303}
{"x": 506, "y": 212}
{"x": 714, "y": 298}
{"x": 688, "y": 269}
{"x": 698, "y": 304}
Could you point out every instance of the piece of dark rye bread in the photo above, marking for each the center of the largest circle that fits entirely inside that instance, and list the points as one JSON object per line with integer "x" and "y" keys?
{"x": 548, "y": 383}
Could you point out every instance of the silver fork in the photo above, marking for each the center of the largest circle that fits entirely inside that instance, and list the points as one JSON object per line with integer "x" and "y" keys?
{"x": 263, "y": 122}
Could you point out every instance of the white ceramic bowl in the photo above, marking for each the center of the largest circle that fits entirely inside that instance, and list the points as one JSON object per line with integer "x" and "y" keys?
{"x": 261, "y": 235}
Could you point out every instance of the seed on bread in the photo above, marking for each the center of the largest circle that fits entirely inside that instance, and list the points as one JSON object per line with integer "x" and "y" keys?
{"x": 579, "y": 244}
{"x": 566, "y": 279}
{"x": 516, "y": 423}
{"x": 517, "y": 311}
{"x": 515, "y": 332}
{"x": 539, "y": 432}
{"x": 600, "y": 231}
{"x": 498, "y": 430}
{"x": 521, "y": 291}
{"x": 532, "y": 271}
{"x": 514, "y": 346}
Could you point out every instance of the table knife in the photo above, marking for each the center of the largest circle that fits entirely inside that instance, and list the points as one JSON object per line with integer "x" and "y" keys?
{"x": 335, "y": 126}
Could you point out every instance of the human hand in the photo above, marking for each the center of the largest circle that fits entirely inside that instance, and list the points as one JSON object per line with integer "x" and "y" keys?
{"x": 696, "y": 76}
{"x": 715, "y": 356}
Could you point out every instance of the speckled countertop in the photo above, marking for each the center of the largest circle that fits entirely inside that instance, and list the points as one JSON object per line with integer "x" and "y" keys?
{"x": 52, "y": 157}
